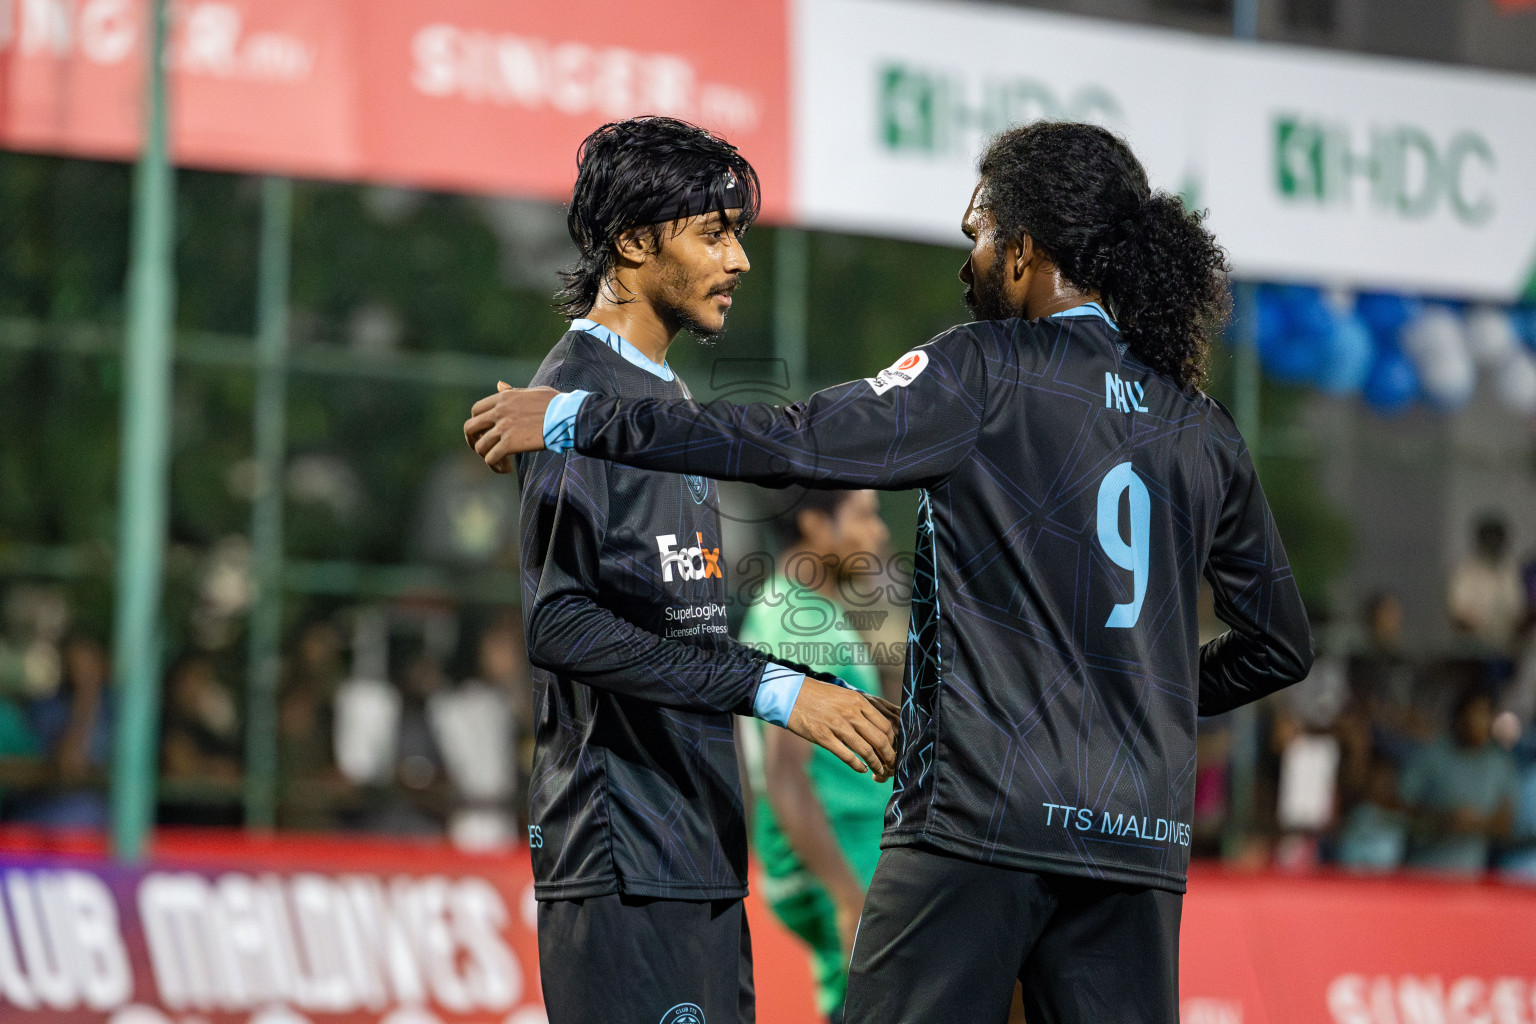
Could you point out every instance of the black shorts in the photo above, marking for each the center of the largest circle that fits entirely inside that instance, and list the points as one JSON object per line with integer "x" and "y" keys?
{"x": 942, "y": 940}
{"x": 634, "y": 960}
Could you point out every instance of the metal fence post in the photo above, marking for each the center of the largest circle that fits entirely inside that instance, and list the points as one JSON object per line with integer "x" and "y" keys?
{"x": 145, "y": 467}
{"x": 270, "y": 430}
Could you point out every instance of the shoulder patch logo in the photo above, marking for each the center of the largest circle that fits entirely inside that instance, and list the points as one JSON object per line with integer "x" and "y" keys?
{"x": 683, "y": 1013}
{"x": 900, "y": 373}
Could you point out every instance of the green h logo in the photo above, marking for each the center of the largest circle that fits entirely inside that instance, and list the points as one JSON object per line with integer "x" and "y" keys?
{"x": 1406, "y": 171}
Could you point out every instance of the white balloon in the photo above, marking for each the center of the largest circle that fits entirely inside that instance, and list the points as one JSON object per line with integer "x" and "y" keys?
{"x": 1491, "y": 336}
{"x": 1436, "y": 343}
{"x": 1515, "y": 383}
{"x": 1435, "y": 330}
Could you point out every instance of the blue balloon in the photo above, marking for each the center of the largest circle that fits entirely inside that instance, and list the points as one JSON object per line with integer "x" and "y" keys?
{"x": 1293, "y": 361}
{"x": 1350, "y": 357}
{"x": 1272, "y": 317}
{"x": 1524, "y": 318}
{"x": 1393, "y": 383}
{"x": 1384, "y": 314}
{"x": 1295, "y": 331}
{"x": 1311, "y": 316}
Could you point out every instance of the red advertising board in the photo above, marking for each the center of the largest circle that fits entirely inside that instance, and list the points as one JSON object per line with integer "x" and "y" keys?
{"x": 219, "y": 928}
{"x": 478, "y": 95}
{"x": 1342, "y": 950}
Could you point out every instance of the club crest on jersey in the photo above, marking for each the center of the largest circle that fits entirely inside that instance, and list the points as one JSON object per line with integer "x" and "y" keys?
{"x": 683, "y": 1013}
{"x": 690, "y": 563}
{"x": 698, "y": 487}
{"x": 900, "y": 373}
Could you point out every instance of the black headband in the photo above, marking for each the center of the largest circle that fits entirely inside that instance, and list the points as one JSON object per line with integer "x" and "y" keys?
{"x": 706, "y": 196}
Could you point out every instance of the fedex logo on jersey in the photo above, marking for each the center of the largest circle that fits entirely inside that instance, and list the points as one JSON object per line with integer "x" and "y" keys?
{"x": 692, "y": 563}
{"x": 1125, "y": 395}
{"x": 900, "y": 373}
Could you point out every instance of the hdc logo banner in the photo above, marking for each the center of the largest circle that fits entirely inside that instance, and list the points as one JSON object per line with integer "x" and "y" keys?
{"x": 1359, "y": 171}
{"x": 1372, "y": 172}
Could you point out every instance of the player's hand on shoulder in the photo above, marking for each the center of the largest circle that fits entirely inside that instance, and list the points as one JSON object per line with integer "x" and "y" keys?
{"x": 850, "y": 724}
{"x": 508, "y": 423}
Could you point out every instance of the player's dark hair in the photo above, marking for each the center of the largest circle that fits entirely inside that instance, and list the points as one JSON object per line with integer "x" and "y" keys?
{"x": 627, "y": 174}
{"x": 786, "y": 525}
{"x": 1081, "y": 194}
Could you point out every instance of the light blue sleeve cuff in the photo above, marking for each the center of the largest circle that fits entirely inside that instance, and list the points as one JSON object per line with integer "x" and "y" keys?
{"x": 560, "y": 420}
{"x": 777, "y": 693}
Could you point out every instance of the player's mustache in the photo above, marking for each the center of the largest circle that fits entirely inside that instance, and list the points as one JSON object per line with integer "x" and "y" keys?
{"x": 724, "y": 289}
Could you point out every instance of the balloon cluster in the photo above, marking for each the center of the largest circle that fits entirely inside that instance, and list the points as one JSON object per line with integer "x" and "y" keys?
{"x": 1394, "y": 350}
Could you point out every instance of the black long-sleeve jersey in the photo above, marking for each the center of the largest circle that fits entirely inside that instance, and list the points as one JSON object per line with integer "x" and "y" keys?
{"x": 1070, "y": 498}
{"x": 634, "y": 785}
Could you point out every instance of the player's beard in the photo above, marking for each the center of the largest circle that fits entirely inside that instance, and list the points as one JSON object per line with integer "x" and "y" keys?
{"x": 985, "y": 298}
{"x": 672, "y": 306}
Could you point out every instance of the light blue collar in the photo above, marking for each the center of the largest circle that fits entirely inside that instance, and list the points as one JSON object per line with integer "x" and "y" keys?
{"x": 624, "y": 348}
{"x": 1089, "y": 309}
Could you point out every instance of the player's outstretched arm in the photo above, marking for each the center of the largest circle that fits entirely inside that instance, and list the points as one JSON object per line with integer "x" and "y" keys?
{"x": 909, "y": 426}
{"x": 1269, "y": 646}
{"x": 564, "y": 517}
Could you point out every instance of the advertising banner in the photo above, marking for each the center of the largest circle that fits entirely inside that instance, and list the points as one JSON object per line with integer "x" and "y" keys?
{"x": 894, "y": 101}
{"x": 1314, "y": 166}
{"x": 860, "y": 115}
{"x": 221, "y": 928}
{"x": 218, "y": 930}
{"x": 1371, "y": 172}
{"x": 1339, "y": 950}
{"x": 477, "y": 95}
{"x": 486, "y": 95}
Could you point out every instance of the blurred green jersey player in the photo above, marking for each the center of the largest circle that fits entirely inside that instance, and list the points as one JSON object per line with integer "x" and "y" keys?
{"x": 816, "y": 826}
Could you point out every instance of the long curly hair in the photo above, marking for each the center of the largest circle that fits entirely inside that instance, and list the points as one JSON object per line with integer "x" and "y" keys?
{"x": 627, "y": 174}
{"x": 1081, "y": 194}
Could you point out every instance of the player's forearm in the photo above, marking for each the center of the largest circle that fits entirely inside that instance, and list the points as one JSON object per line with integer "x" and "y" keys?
{"x": 575, "y": 637}
{"x": 1237, "y": 668}
{"x": 759, "y": 443}
{"x": 838, "y": 437}
{"x": 804, "y": 823}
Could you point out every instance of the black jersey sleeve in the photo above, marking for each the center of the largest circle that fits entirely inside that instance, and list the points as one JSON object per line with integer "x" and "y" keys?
{"x": 571, "y": 630}
{"x": 909, "y": 426}
{"x": 1269, "y": 645}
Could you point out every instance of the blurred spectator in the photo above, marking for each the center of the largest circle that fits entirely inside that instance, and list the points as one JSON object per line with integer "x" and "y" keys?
{"x": 20, "y": 754}
{"x": 1519, "y": 861}
{"x": 1385, "y": 689}
{"x": 1486, "y": 597}
{"x": 385, "y": 742}
{"x": 199, "y": 747}
{"x": 467, "y": 518}
{"x": 1459, "y": 792}
{"x": 73, "y": 726}
{"x": 1374, "y": 836}
{"x": 475, "y": 727}
{"x": 311, "y": 787}
{"x": 1213, "y": 772}
{"x": 503, "y": 662}
{"x": 200, "y": 738}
